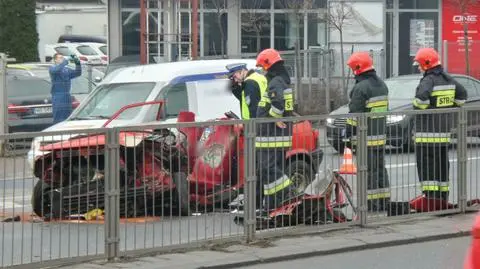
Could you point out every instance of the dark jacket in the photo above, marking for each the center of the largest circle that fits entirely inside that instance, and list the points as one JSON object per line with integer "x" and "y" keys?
{"x": 279, "y": 86}
{"x": 370, "y": 94}
{"x": 437, "y": 90}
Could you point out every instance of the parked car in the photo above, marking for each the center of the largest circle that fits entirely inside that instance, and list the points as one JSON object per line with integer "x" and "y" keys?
{"x": 101, "y": 49}
{"x": 29, "y": 102}
{"x": 81, "y": 86}
{"x": 201, "y": 87}
{"x": 85, "y": 53}
{"x": 399, "y": 127}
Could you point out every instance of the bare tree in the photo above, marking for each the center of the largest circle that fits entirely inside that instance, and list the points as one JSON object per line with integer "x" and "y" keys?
{"x": 464, "y": 6}
{"x": 255, "y": 21}
{"x": 337, "y": 17}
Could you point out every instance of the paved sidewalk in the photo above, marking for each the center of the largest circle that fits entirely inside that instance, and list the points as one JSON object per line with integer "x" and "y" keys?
{"x": 288, "y": 248}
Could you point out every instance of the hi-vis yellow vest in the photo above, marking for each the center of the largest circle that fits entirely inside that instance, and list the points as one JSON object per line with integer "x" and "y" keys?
{"x": 262, "y": 84}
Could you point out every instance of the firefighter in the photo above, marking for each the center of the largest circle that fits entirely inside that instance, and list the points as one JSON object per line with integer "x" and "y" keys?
{"x": 248, "y": 86}
{"x": 436, "y": 90}
{"x": 273, "y": 138}
{"x": 370, "y": 94}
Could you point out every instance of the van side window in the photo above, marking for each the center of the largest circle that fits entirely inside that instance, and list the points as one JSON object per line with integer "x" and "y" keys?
{"x": 176, "y": 99}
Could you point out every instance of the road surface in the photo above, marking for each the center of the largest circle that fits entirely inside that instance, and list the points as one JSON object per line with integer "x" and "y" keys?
{"x": 446, "y": 254}
{"x": 44, "y": 241}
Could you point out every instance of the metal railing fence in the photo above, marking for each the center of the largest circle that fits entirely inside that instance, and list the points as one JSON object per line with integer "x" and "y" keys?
{"x": 131, "y": 190}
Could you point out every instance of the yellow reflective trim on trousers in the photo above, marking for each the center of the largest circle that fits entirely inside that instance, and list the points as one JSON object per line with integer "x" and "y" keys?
{"x": 278, "y": 144}
{"x": 278, "y": 188}
{"x": 378, "y": 196}
{"x": 377, "y": 104}
{"x": 432, "y": 140}
{"x": 444, "y": 92}
{"x": 436, "y": 188}
{"x": 352, "y": 122}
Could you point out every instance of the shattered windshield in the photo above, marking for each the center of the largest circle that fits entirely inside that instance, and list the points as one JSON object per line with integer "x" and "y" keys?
{"x": 109, "y": 98}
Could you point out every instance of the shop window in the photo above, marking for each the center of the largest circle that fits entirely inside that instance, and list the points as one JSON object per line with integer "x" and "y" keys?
{"x": 418, "y": 4}
{"x": 255, "y": 4}
{"x": 289, "y": 31}
{"x": 255, "y": 31}
{"x": 316, "y": 30}
{"x": 215, "y": 33}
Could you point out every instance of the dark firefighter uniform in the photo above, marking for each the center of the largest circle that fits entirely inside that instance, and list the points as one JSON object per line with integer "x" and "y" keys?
{"x": 249, "y": 92}
{"x": 272, "y": 140}
{"x": 370, "y": 94}
{"x": 436, "y": 90}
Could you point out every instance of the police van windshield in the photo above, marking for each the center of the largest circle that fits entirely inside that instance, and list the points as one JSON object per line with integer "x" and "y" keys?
{"x": 109, "y": 98}
{"x": 401, "y": 88}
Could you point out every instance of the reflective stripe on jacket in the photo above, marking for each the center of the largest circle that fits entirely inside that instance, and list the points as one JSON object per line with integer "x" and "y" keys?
{"x": 436, "y": 90}
{"x": 370, "y": 94}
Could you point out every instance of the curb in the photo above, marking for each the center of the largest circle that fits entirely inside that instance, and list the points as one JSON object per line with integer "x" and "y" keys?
{"x": 282, "y": 257}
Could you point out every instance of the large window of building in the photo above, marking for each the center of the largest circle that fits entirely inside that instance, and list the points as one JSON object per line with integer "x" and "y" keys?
{"x": 283, "y": 24}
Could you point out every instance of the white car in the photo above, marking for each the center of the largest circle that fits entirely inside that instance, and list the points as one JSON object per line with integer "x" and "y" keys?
{"x": 85, "y": 53}
{"x": 101, "y": 49}
{"x": 198, "y": 86}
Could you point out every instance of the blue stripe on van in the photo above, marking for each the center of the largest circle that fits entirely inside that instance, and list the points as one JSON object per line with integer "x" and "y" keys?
{"x": 211, "y": 76}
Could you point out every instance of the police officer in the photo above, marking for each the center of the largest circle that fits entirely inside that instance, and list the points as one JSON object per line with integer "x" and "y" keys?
{"x": 273, "y": 138}
{"x": 248, "y": 86}
{"x": 436, "y": 90}
{"x": 370, "y": 94}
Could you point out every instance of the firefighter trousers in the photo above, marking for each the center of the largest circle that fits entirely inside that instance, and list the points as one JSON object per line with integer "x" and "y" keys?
{"x": 433, "y": 169}
{"x": 378, "y": 186}
{"x": 273, "y": 185}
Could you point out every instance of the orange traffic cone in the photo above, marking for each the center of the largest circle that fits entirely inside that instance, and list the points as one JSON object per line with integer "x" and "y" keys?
{"x": 348, "y": 167}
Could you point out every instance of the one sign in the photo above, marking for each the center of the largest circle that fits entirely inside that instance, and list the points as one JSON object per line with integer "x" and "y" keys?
{"x": 453, "y": 33}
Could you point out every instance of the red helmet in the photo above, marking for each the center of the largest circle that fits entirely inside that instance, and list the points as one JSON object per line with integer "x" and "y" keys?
{"x": 360, "y": 62}
{"x": 427, "y": 58}
{"x": 268, "y": 57}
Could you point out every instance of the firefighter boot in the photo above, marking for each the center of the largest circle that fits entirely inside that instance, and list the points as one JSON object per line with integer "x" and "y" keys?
{"x": 431, "y": 201}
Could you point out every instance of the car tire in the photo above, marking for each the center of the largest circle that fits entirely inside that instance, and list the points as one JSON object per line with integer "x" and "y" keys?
{"x": 298, "y": 167}
{"x": 40, "y": 201}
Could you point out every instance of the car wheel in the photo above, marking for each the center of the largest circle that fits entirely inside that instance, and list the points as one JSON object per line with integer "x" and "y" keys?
{"x": 301, "y": 173}
{"x": 409, "y": 144}
{"x": 40, "y": 201}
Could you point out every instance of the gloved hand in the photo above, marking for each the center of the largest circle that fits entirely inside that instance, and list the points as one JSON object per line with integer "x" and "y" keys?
{"x": 74, "y": 59}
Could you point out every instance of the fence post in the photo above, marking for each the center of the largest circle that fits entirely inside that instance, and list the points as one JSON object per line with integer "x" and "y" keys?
{"x": 251, "y": 180}
{"x": 327, "y": 81}
{"x": 361, "y": 152}
{"x": 445, "y": 55}
{"x": 112, "y": 194}
{"x": 3, "y": 101}
{"x": 462, "y": 159}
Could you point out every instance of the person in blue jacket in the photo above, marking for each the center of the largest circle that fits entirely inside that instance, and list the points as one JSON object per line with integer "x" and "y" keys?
{"x": 61, "y": 77}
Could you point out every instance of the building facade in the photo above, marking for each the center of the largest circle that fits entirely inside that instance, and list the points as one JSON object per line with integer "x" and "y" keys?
{"x": 236, "y": 27}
